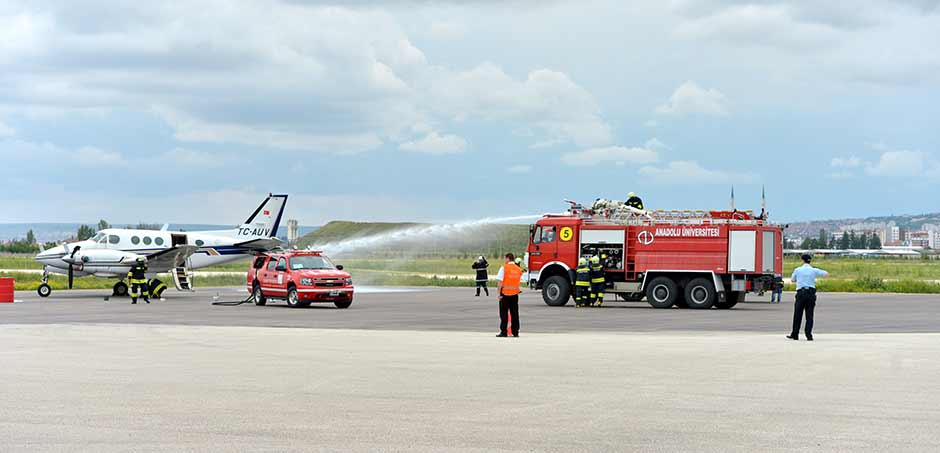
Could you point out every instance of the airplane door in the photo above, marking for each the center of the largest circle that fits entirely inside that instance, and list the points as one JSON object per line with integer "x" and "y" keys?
{"x": 178, "y": 239}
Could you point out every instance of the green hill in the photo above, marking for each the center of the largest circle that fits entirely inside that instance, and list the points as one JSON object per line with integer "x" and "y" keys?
{"x": 489, "y": 240}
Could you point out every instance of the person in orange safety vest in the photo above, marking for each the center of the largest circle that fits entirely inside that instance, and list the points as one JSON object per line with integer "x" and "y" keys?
{"x": 509, "y": 276}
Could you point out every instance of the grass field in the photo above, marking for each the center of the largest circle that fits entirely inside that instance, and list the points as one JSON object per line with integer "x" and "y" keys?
{"x": 848, "y": 274}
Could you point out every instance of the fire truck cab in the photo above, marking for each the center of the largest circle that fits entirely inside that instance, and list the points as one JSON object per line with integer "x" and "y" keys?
{"x": 694, "y": 259}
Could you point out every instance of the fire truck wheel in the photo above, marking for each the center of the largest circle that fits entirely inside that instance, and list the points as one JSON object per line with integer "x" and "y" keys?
{"x": 258, "y": 296}
{"x": 556, "y": 291}
{"x": 700, "y": 293}
{"x": 733, "y": 298}
{"x": 662, "y": 292}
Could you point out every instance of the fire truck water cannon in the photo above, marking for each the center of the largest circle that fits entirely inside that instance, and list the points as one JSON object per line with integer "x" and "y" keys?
{"x": 684, "y": 258}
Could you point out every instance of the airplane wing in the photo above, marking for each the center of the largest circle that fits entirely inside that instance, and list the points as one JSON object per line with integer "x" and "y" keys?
{"x": 164, "y": 260}
{"x": 262, "y": 245}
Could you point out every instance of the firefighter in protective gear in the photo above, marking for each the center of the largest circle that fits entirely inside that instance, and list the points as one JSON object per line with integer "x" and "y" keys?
{"x": 634, "y": 201}
{"x": 582, "y": 284}
{"x": 597, "y": 281}
{"x": 137, "y": 277}
{"x": 480, "y": 266}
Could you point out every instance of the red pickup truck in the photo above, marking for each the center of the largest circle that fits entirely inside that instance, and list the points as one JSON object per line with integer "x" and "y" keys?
{"x": 300, "y": 278}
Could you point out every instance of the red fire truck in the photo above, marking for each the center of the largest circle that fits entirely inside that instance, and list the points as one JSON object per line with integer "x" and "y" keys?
{"x": 695, "y": 259}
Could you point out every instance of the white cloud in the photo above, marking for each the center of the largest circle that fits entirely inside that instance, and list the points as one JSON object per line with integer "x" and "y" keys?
{"x": 688, "y": 172}
{"x": 655, "y": 143}
{"x": 448, "y": 30}
{"x": 91, "y": 156}
{"x": 890, "y": 163}
{"x": 840, "y": 175}
{"x": 901, "y": 164}
{"x": 846, "y": 162}
{"x": 6, "y": 131}
{"x": 434, "y": 143}
{"x": 191, "y": 158}
{"x": 774, "y": 25}
{"x": 546, "y": 100}
{"x": 519, "y": 169}
{"x": 191, "y": 129}
{"x": 689, "y": 98}
{"x": 618, "y": 155}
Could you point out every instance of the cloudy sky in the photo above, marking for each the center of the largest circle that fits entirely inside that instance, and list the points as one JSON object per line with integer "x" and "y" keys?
{"x": 422, "y": 110}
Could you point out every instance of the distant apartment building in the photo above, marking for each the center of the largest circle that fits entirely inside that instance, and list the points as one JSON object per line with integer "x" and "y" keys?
{"x": 918, "y": 238}
{"x": 292, "y": 232}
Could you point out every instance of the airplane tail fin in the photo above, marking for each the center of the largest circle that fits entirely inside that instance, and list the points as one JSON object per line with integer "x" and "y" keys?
{"x": 264, "y": 222}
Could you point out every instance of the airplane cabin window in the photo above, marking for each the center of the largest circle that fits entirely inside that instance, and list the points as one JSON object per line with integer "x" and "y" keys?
{"x": 200, "y": 242}
{"x": 147, "y": 240}
{"x": 113, "y": 239}
{"x": 135, "y": 240}
{"x": 158, "y": 241}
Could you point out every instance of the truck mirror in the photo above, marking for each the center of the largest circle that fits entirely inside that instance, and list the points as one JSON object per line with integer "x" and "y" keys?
{"x": 339, "y": 267}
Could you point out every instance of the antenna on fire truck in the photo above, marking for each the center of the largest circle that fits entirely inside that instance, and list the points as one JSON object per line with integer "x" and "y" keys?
{"x": 732, "y": 199}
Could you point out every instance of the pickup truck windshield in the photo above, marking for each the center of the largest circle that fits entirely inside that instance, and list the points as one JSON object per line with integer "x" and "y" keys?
{"x": 310, "y": 262}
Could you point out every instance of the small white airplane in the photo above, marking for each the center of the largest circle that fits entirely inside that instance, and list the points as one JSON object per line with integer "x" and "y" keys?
{"x": 113, "y": 251}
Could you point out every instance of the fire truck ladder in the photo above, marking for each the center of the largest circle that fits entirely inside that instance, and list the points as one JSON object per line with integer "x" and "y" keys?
{"x": 625, "y": 215}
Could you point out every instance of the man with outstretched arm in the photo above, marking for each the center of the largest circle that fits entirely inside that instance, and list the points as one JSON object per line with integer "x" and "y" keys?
{"x": 805, "y": 278}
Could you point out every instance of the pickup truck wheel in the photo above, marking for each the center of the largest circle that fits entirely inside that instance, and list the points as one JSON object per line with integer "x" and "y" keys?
{"x": 293, "y": 299}
{"x": 258, "y": 296}
{"x": 556, "y": 291}
{"x": 662, "y": 292}
{"x": 700, "y": 293}
{"x": 343, "y": 304}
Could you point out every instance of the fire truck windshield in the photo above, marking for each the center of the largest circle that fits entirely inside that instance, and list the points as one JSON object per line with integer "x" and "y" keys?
{"x": 310, "y": 262}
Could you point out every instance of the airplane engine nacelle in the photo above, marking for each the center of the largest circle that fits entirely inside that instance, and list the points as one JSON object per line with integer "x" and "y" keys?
{"x": 102, "y": 258}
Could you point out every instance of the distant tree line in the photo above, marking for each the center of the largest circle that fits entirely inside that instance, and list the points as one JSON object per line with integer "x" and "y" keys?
{"x": 29, "y": 244}
{"x": 849, "y": 240}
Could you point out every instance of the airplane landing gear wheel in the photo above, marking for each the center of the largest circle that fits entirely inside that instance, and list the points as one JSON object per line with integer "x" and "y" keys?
{"x": 120, "y": 289}
{"x": 44, "y": 290}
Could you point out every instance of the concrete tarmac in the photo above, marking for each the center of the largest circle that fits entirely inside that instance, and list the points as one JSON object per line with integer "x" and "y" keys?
{"x": 421, "y": 370}
{"x": 456, "y": 309}
{"x": 183, "y": 388}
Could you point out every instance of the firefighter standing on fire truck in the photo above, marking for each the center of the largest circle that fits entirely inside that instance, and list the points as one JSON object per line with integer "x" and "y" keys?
{"x": 582, "y": 285}
{"x": 634, "y": 201}
{"x": 137, "y": 277}
{"x": 597, "y": 282}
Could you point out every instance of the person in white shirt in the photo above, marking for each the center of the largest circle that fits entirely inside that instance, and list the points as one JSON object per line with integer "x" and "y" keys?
{"x": 805, "y": 278}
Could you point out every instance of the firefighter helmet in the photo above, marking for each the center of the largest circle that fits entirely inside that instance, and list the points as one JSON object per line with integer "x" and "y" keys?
{"x": 582, "y": 261}
{"x": 141, "y": 259}
{"x": 631, "y": 195}
{"x": 595, "y": 259}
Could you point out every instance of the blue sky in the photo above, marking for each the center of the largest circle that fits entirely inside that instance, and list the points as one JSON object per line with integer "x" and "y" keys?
{"x": 437, "y": 111}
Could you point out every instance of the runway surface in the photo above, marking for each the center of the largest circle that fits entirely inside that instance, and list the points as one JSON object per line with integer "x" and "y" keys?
{"x": 421, "y": 370}
{"x": 458, "y": 310}
{"x": 177, "y": 388}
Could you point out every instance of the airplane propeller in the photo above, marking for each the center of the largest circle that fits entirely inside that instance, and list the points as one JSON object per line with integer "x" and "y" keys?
{"x": 71, "y": 266}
